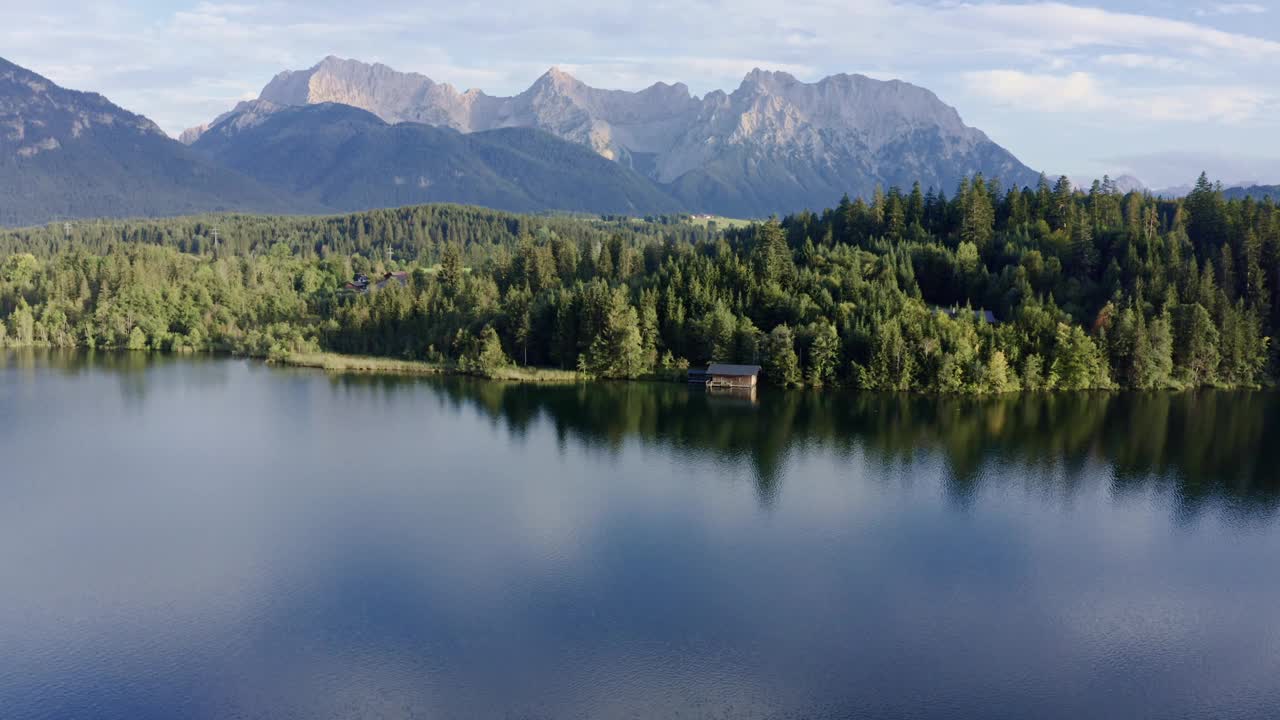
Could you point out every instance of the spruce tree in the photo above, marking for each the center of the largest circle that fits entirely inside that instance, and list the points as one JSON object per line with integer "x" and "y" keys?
{"x": 781, "y": 365}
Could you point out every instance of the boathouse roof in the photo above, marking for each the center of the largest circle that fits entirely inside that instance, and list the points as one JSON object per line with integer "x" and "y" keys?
{"x": 724, "y": 370}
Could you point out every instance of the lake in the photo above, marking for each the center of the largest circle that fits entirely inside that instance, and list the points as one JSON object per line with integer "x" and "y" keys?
{"x": 219, "y": 538}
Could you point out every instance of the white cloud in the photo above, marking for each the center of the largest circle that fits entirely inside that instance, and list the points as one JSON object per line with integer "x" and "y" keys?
{"x": 1077, "y": 91}
{"x": 1081, "y": 92}
{"x": 1138, "y": 61}
{"x": 1231, "y": 9}
{"x": 1047, "y": 27}
{"x": 634, "y": 73}
{"x": 184, "y": 66}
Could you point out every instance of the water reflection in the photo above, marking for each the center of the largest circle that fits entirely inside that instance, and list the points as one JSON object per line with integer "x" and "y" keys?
{"x": 134, "y": 371}
{"x": 1212, "y": 445}
{"x": 223, "y": 538}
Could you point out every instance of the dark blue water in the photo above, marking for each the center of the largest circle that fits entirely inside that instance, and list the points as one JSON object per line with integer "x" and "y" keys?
{"x": 221, "y": 539}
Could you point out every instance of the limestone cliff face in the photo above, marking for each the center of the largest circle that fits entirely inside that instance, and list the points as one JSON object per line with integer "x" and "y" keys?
{"x": 844, "y": 133}
{"x": 393, "y": 96}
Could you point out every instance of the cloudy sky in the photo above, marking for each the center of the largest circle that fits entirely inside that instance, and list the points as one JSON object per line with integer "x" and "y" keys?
{"x": 1160, "y": 88}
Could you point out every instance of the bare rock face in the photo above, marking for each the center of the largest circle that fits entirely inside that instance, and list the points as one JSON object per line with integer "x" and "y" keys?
{"x": 1128, "y": 183}
{"x": 244, "y": 115}
{"x": 844, "y": 133}
{"x": 391, "y": 95}
{"x": 37, "y": 116}
{"x": 192, "y": 134}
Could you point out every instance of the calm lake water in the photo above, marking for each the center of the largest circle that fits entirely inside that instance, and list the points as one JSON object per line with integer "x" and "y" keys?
{"x": 216, "y": 538}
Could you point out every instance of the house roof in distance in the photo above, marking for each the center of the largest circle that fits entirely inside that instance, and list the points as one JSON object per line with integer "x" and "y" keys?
{"x": 982, "y": 315}
{"x": 733, "y": 370}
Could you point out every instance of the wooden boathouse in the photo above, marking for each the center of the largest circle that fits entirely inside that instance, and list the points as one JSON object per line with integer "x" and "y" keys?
{"x": 720, "y": 375}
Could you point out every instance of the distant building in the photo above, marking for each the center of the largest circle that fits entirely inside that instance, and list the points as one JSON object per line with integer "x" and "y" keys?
{"x": 397, "y": 277}
{"x": 361, "y": 285}
{"x": 720, "y": 375}
{"x": 981, "y": 315}
{"x": 358, "y": 285}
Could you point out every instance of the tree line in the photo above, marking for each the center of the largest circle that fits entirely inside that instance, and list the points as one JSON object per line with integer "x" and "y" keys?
{"x": 985, "y": 291}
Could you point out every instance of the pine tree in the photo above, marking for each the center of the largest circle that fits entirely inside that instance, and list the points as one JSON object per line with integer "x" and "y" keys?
{"x": 1084, "y": 254}
{"x": 896, "y": 217}
{"x": 892, "y": 365}
{"x": 450, "y": 275}
{"x": 978, "y": 224}
{"x": 489, "y": 357}
{"x": 746, "y": 342}
{"x": 519, "y": 313}
{"x": 1158, "y": 370}
{"x": 1206, "y": 223}
{"x": 1062, "y": 204}
{"x": 618, "y": 350}
{"x": 649, "y": 334}
{"x": 781, "y": 366}
{"x": 564, "y": 341}
{"x": 772, "y": 256}
{"x": 824, "y": 355}
{"x": 915, "y": 210}
{"x": 1196, "y": 346}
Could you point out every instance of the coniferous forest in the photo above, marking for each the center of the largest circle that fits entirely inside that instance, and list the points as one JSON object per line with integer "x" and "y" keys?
{"x": 986, "y": 290}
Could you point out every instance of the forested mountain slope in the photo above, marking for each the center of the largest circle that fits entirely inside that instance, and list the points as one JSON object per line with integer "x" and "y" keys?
{"x": 1257, "y": 192}
{"x": 67, "y": 154}
{"x": 348, "y": 159}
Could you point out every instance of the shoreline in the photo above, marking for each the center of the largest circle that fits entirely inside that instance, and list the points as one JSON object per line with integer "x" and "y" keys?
{"x": 368, "y": 365}
{"x": 332, "y": 362}
{"x": 372, "y": 365}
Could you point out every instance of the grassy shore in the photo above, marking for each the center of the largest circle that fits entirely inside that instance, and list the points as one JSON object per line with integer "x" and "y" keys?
{"x": 334, "y": 362}
{"x": 721, "y": 222}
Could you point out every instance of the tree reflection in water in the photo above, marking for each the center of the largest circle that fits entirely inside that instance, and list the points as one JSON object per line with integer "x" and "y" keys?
{"x": 1208, "y": 445}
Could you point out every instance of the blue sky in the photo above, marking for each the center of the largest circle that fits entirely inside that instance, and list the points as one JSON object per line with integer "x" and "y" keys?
{"x": 1160, "y": 88}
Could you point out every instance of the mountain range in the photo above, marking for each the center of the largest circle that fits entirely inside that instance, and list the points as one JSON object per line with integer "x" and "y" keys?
{"x": 67, "y": 154}
{"x": 774, "y": 145}
{"x": 1123, "y": 184}
{"x": 1257, "y": 192}
{"x": 345, "y": 135}
{"x": 348, "y": 159}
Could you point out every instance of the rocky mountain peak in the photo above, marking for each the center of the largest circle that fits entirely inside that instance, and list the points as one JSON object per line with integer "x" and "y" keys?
{"x": 766, "y": 80}
{"x": 556, "y": 77}
{"x": 864, "y": 130}
{"x": 377, "y": 88}
{"x": 556, "y": 83}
